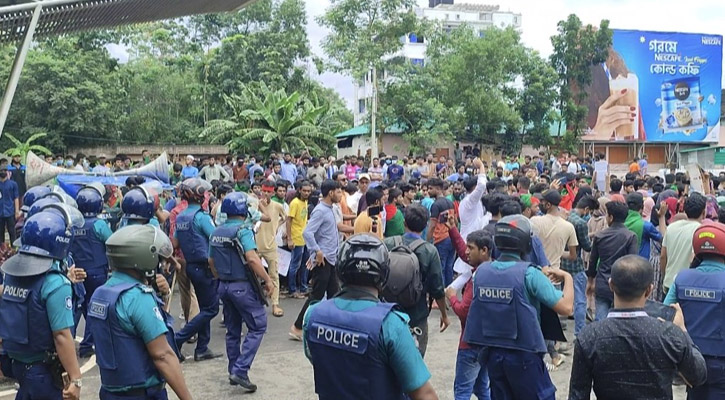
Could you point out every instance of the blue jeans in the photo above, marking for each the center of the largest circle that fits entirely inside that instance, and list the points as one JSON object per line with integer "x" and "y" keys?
{"x": 603, "y": 306}
{"x": 448, "y": 257}
{"x": 470, "y": 378}
{"x": 205, "y": 287}
{"x": 580, "y": 302}
{"x": 296, "y": 263}
{"x": 242, "y": 305}
{"x": 92, "y": 282}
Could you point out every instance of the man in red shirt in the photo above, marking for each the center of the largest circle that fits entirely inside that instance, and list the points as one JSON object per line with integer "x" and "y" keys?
{"x": 470, "y": 378}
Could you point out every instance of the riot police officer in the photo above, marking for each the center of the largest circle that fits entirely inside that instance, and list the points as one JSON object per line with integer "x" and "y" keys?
{"x": 503, "y": 320}
{"x": 32, "y": 195}
{"x": 139, "y": 206}
{"x": 699, "y": 292}
{"x": 234, "y": 261}
{"x": 36, "y": 314}
{"x": 133, "y": 334}
{"x": 361, "y": 348}
{"x": 194, "y": 226}
{"x": 76, "y": 274}
{"x": 89, "y": 253}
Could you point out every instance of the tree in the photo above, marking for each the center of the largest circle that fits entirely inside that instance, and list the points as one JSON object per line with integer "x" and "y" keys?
{"x": 69, "y": 93}
{"x": 576, "y": 49}
{"x": 22, "y": 148}
{"x": 364, "y": 35}
{"x": 268, "y": 120}
{"x": 478, "y": 72}
{"x": 266, "y": 42}
{"x": 536, "y": 100}
{"x": 410, "y": 102}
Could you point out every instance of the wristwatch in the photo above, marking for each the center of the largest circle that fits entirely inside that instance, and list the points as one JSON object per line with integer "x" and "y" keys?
{"x": 77, "y": 382}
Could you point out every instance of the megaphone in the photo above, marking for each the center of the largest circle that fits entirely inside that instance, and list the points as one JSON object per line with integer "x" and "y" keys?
{"x": 158, "y": 170}
{"x": 37, "y": 171}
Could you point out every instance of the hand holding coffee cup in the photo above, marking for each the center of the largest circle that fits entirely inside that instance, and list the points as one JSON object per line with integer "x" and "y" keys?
{"x": 612, "y": 116}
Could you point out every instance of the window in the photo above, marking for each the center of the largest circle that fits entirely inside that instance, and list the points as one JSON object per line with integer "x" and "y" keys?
{"x": 458, "y": 16}
{"x": 345, "y": 143}
{"x": 417, "y": 61}
{"x": 446, "y": 17}
{"x": 415, "y": 38}
{"x": 361, "y": 106}
{"x": 485, "y": 16}
{"x": 516, "y": 20}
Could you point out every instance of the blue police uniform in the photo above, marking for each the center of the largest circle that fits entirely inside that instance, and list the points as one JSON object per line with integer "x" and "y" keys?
{"x": 699, "y": 292}
{"x": 504, "y": 321}
{"x": 32, "y": 309}
{"x": 193, "y": 229}
{"x": 361, "y": 348}
{"x": 124, "y": 316}
{"x": 89, "y": 253}
{"x": 241, "y": 303}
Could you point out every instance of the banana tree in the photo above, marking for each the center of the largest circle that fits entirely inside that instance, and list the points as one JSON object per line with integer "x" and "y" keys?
{"x": 22, "y": 148}
{"x": 272, "y": 121}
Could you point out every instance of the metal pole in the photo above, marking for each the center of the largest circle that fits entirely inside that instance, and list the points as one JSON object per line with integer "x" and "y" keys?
{"x": 18, "y": 68}
{"x": 373, "y": 117}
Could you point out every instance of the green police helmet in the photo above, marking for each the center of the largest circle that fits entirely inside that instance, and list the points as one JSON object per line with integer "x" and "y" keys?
{"x": 138, "y": 247}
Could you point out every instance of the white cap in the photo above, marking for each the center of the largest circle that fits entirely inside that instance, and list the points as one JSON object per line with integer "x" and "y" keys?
{"x": 190, "y": 156}
{"x": 102, "y": 155}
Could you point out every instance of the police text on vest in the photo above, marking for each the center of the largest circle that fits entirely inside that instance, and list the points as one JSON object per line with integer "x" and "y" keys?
{"x": 334, "y": 336}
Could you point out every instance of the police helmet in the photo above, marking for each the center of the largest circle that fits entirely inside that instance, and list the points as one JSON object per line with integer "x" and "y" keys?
{"x": 47, "y": 236}
{"x": 42, "y": 202}
{"x": 363, "y": 260}
{"x": 138, "y": 247}
{"x": 32, "y": 195}
{"x": 90, "y": 201}
{"x": 709, "y": 238}
{"x": 235, "y": 204}
{"x": 138, "y": 203}
{"x": 193, "y": 189}
{"x": 513, "y": 233}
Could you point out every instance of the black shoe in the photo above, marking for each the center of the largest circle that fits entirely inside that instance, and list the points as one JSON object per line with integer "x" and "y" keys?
{"x": 243, "y": 382}
{"x": 182, "y": 358}
{"x": 207, "y": 355}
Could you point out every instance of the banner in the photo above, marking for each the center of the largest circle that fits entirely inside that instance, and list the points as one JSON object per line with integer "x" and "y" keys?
{"x": 657, "y": 87}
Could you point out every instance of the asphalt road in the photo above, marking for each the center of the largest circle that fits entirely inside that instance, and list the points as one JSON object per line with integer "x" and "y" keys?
{"x": 282, "y": 372}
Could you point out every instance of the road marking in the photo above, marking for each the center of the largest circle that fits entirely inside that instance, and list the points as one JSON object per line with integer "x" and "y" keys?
{"x": 84, "y": 368}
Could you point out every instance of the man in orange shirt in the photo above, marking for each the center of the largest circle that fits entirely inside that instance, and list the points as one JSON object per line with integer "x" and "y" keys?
{"x": 369, "y": 221}
{"x": 437, "y": 230}
{"x": 634, "y": 166}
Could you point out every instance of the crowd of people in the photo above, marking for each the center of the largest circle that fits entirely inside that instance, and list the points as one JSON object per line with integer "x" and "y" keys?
{"x": 373, "y": 247}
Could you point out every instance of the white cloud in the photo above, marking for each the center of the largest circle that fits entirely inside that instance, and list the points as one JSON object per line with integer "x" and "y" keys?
{"x": 540, "y": 19}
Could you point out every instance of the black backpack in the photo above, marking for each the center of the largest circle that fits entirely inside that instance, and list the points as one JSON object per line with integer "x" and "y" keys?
{"x": 404, "y": 285}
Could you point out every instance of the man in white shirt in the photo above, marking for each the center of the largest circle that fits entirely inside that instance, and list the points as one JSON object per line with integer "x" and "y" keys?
{"x": 573, "y": 167}
{"x": 473, "y": 217}
{"x": 213, "y": 172}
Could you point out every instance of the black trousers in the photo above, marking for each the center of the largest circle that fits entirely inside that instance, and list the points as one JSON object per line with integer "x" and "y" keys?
{"x": 324, "y": 281}
{"x": 7, "y": 223}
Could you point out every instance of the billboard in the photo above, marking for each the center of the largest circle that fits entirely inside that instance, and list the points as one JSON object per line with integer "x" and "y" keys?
{"x": 657, "y": 87}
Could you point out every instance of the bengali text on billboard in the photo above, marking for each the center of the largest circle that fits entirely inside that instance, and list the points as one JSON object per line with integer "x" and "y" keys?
{"x": 657, "y": 87}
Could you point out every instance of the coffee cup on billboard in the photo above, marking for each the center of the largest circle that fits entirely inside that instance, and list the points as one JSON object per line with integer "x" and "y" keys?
{"x": 630, "y": 99}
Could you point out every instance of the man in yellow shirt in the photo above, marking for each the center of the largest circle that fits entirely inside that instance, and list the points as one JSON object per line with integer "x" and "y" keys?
{"x": 266, "y": 235}
{"x": 296, "y": 224}
{"x": 370, "y": 221}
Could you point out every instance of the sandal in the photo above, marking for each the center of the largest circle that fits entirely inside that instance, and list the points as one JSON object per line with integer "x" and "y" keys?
{"x": 277, "y": 311}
